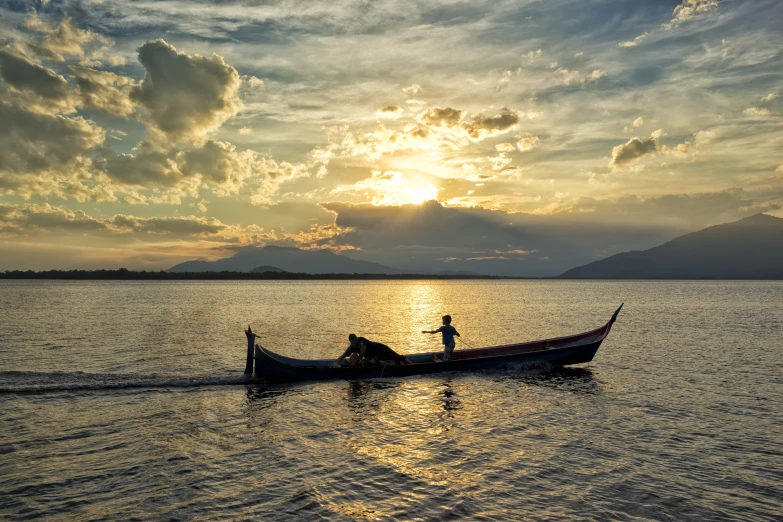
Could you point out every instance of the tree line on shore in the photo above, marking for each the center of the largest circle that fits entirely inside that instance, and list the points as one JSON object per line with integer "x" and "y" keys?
{"x": 123, "y": 274}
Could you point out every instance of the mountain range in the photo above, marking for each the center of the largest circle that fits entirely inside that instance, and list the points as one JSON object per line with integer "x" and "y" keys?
{"x": 751, "y": 248}
{"x": 288, "y": 259}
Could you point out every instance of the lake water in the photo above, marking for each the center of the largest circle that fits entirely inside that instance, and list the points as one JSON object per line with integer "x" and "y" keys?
{"x": 119, "y": 401}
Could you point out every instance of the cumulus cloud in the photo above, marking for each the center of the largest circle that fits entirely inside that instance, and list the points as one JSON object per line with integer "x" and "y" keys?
{"x": 32, "y": 219}
{"x": 499, "y": 162}
{"x": 390, "y": 111}
{"x": 688, "y": 10}
{"x": 150, "y": 167}
{"x": 103, "y": 90}
{"x": 704, "y": 137}
{"x": 635, "y": 148}
{"x": 226, "y": 169}
{"x": 638, "y": 122}
{"x": 27, "y": 219}
{"x": 528, "y": 142}
{"x": 180, "y": 226}
{"x": 505, "y": 147}
{"x": 755, "y": 112}
{"x": 681, "y": 149}
{"x": 185, "y": 96}
{"x": 437, "y": 117}
{"x": 37, "y": 87}
{"x": 64, "y": 39}
{"x": 479, "y": 126}
{"x": 33, "y": 142}
{"x": 432, "y": 129}
{"x": 216, "y": 165}
{"x": 769, "y": 97}
{"x": 413, "y": 89}
{"x": 595, "y": 75}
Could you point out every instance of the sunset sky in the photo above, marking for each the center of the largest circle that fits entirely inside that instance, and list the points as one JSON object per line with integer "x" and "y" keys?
{"x": 541, "y": 134}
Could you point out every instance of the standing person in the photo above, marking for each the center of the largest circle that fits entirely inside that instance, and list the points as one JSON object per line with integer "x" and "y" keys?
{"x": 448, "y": 332}
{"x": 362, "y": 349}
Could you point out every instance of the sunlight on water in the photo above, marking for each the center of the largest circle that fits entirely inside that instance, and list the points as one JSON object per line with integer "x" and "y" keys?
{"x": 119, "y": 400}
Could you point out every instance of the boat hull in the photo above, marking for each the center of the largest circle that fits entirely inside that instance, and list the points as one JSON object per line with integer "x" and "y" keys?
{"x": 271, "y": 368}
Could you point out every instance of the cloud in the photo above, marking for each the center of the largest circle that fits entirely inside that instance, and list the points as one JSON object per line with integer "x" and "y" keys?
{"x": 635, "y": 148}
{"x": 681, "y": 149}
{"x": 390, "y": 188}
{"x": 633, "y": 43}
{"x": 505, "y": 147}
{"x": 638, "y": 122}
{"x": 103, "y": 90}
{"x": 34, "y": 219}
{"x": 253, "y": 82}
{"x": 568, "y": 76}
{"x": 419, "y": 237}
{"x": 149, "y": 167}
{"x": 505, "y": 79}
{"x": 216, "y": 165}
{"x": 479, "y": 126}
{"x": 527, "y": 143}
{"x": 437, "y": 117}
{"x": 221, "y": 165}
{"x": 704, "y": 137}
{"x": 27, "y": 219}
{"x": 595, "y": 75}
{"x": 769, "y": 97}
{"x": 688, "y": 10}
{"x": 413, "y": 89}
{"x": 686, "y": 211}
{"x": 755, "y": 112}
{"x": 179, "y": 226}
{"x": 50, "y": 91}
{"x": 32, "y": 142}
{"x": 64, "y": 39}
{"x": 185, "y": 96}
{"x": 390, "y": 111}
{"x": 499, "y": 162}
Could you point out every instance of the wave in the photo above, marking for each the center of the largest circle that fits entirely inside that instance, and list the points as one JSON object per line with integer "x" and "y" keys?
{"x": 41, "y": 382}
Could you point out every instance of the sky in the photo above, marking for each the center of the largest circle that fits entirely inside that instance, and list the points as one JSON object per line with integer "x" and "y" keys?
{"x": 517, "y": 138}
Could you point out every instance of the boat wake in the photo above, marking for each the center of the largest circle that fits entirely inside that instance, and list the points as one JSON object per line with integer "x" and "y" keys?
{"x": 40, "y": 382}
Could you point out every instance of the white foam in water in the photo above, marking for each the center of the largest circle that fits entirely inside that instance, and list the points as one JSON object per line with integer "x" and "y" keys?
{"x": 39, "y": 382}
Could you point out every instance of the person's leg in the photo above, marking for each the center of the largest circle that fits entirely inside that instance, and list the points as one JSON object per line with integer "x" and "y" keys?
{"x": 447, "y": 349}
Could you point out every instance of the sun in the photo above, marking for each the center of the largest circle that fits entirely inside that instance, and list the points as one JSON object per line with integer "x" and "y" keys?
{"x": 418, "y": 195}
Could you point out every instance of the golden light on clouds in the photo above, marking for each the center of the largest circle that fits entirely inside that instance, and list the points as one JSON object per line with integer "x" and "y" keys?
{"x": 498, "y": 109}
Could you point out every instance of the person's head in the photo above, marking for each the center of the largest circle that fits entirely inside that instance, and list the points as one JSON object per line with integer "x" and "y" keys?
{"x": 352, "y": 338}
{"x": 446, "y": 319}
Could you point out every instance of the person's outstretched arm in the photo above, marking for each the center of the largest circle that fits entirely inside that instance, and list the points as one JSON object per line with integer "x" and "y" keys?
{"x": 345, "y": 354}
{"x": 432, "y": 331}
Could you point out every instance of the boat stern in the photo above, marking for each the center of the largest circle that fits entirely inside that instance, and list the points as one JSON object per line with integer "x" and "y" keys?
{"x": 262, "y": 363}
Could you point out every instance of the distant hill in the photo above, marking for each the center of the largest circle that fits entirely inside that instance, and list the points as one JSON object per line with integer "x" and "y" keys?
{"x": 266, "y": 268}
{"x": 751, "y": 248}
{"x": 458, "y": 273}
{"x": 289, "y": 260}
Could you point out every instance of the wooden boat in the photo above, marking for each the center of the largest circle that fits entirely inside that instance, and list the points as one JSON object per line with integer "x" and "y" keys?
{"x": 560, "y": 351}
